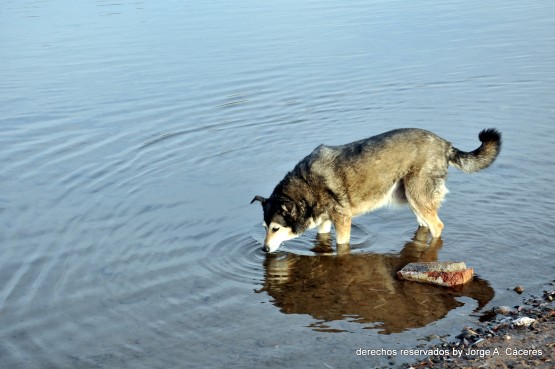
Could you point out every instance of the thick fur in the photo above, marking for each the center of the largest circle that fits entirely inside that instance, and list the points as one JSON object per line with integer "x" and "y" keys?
{"x": 335, "y": 183}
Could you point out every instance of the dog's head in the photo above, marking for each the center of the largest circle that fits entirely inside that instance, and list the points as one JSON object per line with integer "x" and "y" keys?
{"x": 283, "y": 220}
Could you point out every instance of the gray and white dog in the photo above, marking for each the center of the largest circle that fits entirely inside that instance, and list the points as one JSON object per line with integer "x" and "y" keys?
{"x": 335, "y": 183}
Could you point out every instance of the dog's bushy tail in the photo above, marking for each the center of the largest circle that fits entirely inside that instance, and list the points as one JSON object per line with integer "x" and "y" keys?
{"x": 480, "y": 158}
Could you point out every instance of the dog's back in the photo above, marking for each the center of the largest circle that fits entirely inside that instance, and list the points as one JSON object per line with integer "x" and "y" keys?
{"x": 403, "y": 165}
{"x": 365, "y": 170}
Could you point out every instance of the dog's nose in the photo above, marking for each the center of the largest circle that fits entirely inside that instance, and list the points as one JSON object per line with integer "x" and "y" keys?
{"x": 266, "y": 248}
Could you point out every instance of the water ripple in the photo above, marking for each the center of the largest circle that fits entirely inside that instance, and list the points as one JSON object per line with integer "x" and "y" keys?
{"x": 239, "y": 258}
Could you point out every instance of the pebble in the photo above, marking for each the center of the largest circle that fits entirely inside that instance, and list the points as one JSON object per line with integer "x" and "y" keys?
{"x": 467, "y": 332}
{"x": 523, "y": 322}
{"x": 503, "y": 310}
{"x": 518, "y": 289}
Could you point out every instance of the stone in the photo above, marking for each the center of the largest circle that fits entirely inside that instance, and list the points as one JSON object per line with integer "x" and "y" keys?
{"x": 523, "y": 322}
{"x": 447, "y": 274}
{"x": 503, "y": 310}
{"x": 519, "y": 289}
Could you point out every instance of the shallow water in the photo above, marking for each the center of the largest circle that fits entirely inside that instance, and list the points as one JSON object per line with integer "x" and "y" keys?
{"x": 133, "y": 136}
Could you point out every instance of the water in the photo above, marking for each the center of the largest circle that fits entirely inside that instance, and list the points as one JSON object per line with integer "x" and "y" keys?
{"x": 134, "y": 135}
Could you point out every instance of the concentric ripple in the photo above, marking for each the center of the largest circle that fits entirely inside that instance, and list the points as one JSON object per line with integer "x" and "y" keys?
{"x": 238, "y": 258}
{"x": 241, "y": 257}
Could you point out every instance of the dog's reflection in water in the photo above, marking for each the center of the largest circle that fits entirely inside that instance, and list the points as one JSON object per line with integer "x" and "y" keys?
{"x": 363, "y": 287}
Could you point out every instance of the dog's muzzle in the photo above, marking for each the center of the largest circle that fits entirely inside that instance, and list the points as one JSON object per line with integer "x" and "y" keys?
{"x": 271, "y": 247}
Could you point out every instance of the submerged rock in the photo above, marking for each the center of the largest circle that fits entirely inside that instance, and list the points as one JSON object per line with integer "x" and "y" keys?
{"x": 447, "y": 274}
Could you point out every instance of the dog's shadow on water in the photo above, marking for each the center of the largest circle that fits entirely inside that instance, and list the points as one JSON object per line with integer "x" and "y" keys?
{"x": 363, "y": 288}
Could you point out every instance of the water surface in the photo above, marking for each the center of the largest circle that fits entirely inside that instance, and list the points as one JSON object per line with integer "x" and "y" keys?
{"x": 133, "y": 136}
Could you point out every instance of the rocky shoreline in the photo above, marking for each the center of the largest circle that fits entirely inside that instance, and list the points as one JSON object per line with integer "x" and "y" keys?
{"x": 522, "y": 336}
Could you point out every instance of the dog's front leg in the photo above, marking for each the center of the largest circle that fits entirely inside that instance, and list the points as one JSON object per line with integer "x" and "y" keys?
{"x": 342, "y": 224}
{"x": 324, "y": 227}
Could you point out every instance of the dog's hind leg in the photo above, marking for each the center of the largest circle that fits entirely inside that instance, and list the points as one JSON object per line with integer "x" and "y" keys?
{"x": 424, "y": 196}
{"x": 429, "y": 218}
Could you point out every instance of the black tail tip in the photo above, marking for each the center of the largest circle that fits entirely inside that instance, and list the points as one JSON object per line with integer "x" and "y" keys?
{"x": 490, "y": 135}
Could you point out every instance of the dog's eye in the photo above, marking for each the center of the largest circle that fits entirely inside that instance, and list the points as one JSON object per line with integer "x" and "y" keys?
{"x": 275, "y": 229}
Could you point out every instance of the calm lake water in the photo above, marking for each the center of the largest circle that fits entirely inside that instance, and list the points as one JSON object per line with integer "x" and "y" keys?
{"x": 133, "y": 136}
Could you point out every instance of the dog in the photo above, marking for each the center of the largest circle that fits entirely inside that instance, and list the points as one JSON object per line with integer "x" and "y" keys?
{"x": 335, "y": 183}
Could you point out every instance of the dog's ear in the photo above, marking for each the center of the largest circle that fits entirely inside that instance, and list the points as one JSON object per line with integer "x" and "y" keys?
{"x": 288, "y": 207}
{"x": 259, "y": 198}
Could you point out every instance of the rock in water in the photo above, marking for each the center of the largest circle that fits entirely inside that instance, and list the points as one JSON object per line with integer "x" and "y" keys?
{"x": 447, "y": 274}
{"x": 519, "y": 289}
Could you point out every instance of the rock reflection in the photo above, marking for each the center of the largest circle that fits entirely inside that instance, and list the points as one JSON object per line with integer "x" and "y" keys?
{"x": 363, "y": 288}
